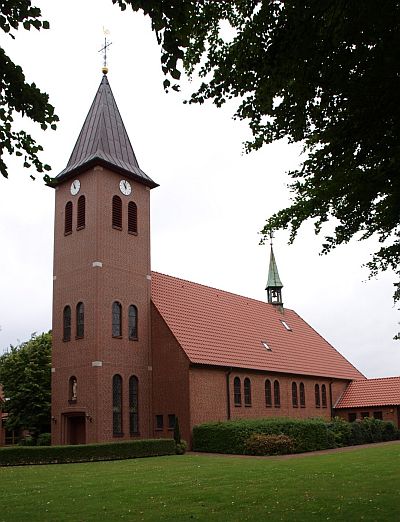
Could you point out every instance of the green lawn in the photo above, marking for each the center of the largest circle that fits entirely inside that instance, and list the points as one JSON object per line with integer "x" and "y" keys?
{"x": 360, "y": 485}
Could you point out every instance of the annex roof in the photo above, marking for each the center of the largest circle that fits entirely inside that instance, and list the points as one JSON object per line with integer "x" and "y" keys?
{"x": 215, "y": 327}
{"x": 103, "y": 140}
{"x": 371, "y": 392}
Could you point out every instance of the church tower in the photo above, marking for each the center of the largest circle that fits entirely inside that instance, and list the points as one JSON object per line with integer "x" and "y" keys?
{"x": 101, "y": 361}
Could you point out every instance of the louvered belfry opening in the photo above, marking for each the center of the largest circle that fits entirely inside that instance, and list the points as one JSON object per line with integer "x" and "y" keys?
{"x": 117, "y": 212}
{"x": 68, "y": 218}
{"x": 132, "y": 218}
{"x": 81, "y": 217}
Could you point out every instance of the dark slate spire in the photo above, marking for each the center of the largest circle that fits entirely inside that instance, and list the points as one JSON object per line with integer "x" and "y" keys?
{"x": 274, "y": 284}
{"x": 103, "y": 140}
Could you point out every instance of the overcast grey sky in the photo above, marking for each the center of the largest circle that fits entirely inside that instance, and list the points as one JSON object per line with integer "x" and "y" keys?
{"x": 210, "y": 205}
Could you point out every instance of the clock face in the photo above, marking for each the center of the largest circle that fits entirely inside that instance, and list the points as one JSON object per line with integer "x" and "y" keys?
{"x": 125, "y": 187}
{"x": 75, "y": 186}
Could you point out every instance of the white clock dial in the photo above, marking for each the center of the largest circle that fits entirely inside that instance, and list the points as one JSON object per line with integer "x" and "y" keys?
{"x": 75, "y": 186}
{"x": 125, "y": 187}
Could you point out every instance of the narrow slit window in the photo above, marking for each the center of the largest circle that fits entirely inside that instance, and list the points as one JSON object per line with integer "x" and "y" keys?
{"x": 323, "y": 396}
{"x": 67, "y": 323}
{"x": 133, "y": 405}
{"x": 268, "y": 393}
{"x": 132, "y": 218}
{"x": 317, "y": 396}
{"x": 133, "y": 323}
{"x": 237, "y": 393}
{"x": 302, "y": 395}
{"x": 116, "y": 319}
{"x": 81, "y": 214}
{"x": 117, "y": 405}
{"x": 80, "y": 320}
{"x": 68, "y": 218}
{"x": 295, "y": 402}
{"x": 117, "y": 212}
{"x": 247, "y": 392}
{"x": 277, "y": 394}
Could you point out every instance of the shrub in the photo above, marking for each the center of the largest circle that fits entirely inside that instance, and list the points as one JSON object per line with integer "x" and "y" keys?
{"x": 181, "y": 447}
{"x": 362, "y": 431}
{"x": 44, "y": 439}
{"x": 18, "y": 456}
{"x": 230, "y": 437}
{"x": 28, "y": 440}
{"x": 260, "y": 444}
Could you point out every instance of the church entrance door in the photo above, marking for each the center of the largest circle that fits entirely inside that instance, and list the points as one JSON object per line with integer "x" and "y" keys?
{"x": 76, "y": 429}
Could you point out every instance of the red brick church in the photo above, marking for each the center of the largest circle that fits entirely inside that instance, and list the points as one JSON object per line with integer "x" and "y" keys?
{"x": 135, "y": 349}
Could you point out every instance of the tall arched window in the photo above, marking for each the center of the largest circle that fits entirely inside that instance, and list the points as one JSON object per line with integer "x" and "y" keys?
{"x": 295, "y": 402}
{"x": 132, "y": 323}
{"x": 268, "y": 393}
{"x": 247, "y": 392}
{"x": 117, "y": 212}
{"x": 237, "y": 392}
{"x": 302, "y": 395}
{"x": 67, "y": 323}
{"x": 68, "y": 218}
{"x": 317, "y": 396}
{"x": 116, "y": 319}
{"x": 80, "y": 320}
{"x": 132, "y": 218}
{"x": 133, "y": 405}
{"x": 81, "y": 214}
{"x": 277, "y": 394}
{"x": 323, "y": 395}
{"x": 117, "y": 405}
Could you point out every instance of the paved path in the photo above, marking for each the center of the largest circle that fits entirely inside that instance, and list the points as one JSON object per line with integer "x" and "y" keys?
{"x": 300, "y": 455}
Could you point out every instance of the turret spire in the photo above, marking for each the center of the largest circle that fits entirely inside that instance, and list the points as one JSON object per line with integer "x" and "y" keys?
{"x": 274, "y": 284}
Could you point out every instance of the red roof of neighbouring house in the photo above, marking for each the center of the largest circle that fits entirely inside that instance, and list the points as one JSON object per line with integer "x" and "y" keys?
{"x": 371, "y": 392}
{"x": 215, "y": 327}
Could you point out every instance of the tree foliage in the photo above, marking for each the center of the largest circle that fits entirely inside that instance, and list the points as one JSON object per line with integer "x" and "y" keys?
{"x": 19, "y": 96}
{"x": 323, "y": 73}
{"x": 25, "y": 375}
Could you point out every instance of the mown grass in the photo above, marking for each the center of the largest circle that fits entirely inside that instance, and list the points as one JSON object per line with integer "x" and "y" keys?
{"x": 360, "y": 485}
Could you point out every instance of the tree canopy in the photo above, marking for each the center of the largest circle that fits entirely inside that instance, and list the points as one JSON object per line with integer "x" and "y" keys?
{"x": 25, "y": 375}
{"x": 323, "y": 73}
{"x": 19, "y": 96}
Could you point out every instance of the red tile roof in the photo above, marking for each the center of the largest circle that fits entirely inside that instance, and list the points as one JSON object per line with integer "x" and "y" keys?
{"x": 371, "y": 392}
{"x": 215, "y": 327}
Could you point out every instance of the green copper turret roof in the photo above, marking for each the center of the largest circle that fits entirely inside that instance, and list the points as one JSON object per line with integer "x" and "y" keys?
{"x": 103, "y": 140}
{"x": 273, "y": 275}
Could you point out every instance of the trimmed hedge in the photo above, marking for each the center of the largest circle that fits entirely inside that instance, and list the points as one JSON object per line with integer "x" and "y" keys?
{"x": 307, "y": 435}
{"x": 230, "y": 437}
{"x": 20, "y": 456}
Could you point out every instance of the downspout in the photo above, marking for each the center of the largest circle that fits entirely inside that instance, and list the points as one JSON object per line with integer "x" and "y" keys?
{"x": 330, "y": 398}
{"x": 228, "y": 395}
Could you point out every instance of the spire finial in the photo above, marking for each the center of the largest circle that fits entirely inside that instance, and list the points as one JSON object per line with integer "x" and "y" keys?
{"x": 104, "y": 50}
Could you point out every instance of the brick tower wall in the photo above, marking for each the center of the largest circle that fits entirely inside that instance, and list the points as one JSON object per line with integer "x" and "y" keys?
{"x": 97, "y": 266}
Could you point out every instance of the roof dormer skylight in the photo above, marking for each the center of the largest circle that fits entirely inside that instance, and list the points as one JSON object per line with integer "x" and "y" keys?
{"x": 286, "y": 325}
{"x": 265, "y": 344}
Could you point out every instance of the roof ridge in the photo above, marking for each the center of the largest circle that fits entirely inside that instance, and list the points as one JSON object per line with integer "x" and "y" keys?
{"x": 220, "y": 290}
